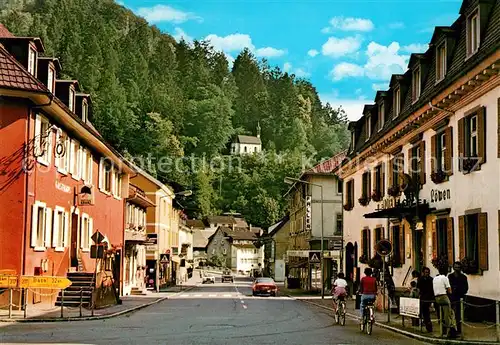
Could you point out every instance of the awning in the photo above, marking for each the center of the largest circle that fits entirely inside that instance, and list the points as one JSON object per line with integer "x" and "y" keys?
{"x": 401, "y": 212}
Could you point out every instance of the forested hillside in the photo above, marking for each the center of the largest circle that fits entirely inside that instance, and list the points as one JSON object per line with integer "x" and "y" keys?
{"x": 163, "y": 102}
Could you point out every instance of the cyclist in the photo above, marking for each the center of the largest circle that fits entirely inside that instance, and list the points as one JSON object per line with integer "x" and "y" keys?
{"x": 339, "y": 290}
{"x": 367, "y": 290}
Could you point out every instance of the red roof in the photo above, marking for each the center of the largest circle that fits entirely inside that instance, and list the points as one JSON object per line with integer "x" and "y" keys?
{"x": 328, "y": 166}
{"x": 4, "y": 32}
{"x": 14, "y": 76}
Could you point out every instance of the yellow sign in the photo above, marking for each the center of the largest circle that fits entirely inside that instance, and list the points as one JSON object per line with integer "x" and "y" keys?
{"x": 8, "y": 272}
{"x": 41, "y": 282}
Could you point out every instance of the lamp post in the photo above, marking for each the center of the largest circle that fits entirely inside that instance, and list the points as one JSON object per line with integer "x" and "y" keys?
{"x": 291, "y": 180}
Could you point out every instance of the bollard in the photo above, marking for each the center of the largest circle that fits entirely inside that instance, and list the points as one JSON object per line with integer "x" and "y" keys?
{"x": 62, "y": 303}
{"x": 498, "y": 321}
{"x": 461, "y": 318}
{"x": 25, "y": 303}
{"x": 81, "y": 301}
{"x": 10, "y": 303}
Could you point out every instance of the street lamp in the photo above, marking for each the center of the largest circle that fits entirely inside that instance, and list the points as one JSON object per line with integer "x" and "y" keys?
{"x": 291, "y": 181}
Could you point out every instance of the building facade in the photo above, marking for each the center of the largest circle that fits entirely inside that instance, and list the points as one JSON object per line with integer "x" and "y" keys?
{"x": 423, "y": 166}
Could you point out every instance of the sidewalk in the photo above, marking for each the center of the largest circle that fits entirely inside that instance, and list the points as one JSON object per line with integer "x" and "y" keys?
{"x": 473, "y": 333}
{"x": 51, "y": 313}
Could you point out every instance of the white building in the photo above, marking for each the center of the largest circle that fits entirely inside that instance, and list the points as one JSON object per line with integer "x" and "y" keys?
{"x": 244, "y": 144}
{"x": 439, "y": 124}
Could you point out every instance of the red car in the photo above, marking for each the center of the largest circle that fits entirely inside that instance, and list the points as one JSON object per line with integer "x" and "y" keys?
{"x": 264, "y": 286}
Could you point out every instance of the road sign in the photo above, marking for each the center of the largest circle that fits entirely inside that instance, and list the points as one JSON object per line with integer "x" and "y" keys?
{"x": 164, "y": 258}
{"x": 97, "y": 237}
{"x": 41, "y": 282}
{"x": 314, "y": 257}
{"x": 335, "y": 244}
{"x": 384, "y": 248}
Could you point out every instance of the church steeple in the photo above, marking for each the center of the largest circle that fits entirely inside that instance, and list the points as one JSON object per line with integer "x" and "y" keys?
{"x": 258, "y": 129}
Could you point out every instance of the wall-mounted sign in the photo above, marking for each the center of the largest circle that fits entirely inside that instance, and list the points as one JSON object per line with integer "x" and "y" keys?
{"x": 62, "y": 187}
{"x": 440, "y": 195}
{"x": 308, "y": 212}
{"x": 85, "y": 195}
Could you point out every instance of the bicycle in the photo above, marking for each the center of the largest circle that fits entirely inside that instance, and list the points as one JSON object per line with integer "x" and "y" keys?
{"x": 340, "y": 312}
{"x": 368, "y": 317}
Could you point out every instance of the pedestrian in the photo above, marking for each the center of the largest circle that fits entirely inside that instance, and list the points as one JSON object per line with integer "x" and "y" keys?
{"x": 459, "y": 288}
{"x": 367, "y": 289}
{"x": 414, "y": 291}
{"x": 414, "y": 277}
{"x": 424, "y": 284}
{"x": 442, "y": 288}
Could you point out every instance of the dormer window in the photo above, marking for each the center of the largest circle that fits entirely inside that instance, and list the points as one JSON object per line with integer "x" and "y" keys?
{"x": 381, "y": 120}
{"x": 31, "y": 61}
{"x": 473, "y": 35}
{"x": 440, "y": 62}
{"x": 85, "y": 110}
{"x": 71, "y": 99}
{"x": 397, "y": 101}
{"x": 50, "y": 79}
{"x": 353, "y": 140}
{"x": 368, "y": 127}
{"x": 416, "y": 84}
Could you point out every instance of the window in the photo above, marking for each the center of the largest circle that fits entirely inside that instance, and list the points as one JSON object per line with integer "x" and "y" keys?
{"x": 353, "y": 142}
{"x": 340, "y": 186}
{"x": 472, "y": 237}
{"x": 416, "y": 84}
{"x": 441, "y": 151}
{"x": 87, "y": 166}
{"x": 368, "y": 127}
{"x": 365, "y": 243}
{"x": 85, "y": 110}
{"x": 442, "y": 236}
{"x": 85, "y": 232}
{"x": 471, "y": 146}
{"x": 255, "y": 149}
{"x": 32, "y": 61}
{"x": 234, "y": 149}
{"x": 105, "y": 176}
{"x": 350, "y": 195}
{"x": 397, "y": 101}
{"x": 379, "y": 234}
{"x": 441, "y": 62}
{"x": 365, "y": 191}
{"x": 379, "y": 183}
{"x": 397, "y": 241}
{"x": 43, "y": 140}
{"x": 339, "y": 224}
{"x": 60, "y": 231}
{"x": 472, "y": 140}
{"x": 75, "y": 160}
{"x": 381, "y": 119}
{"x": 416, "y": 156}
{"x": 473, "y": 33}
{"x": 62, "y": 153}
{"x": 41, "y": 225}
{"x": 50, "y": 79}
{"x": 245, "y": 148}
{"x": 116, "y": 183}
{"x": 71, "y": 99}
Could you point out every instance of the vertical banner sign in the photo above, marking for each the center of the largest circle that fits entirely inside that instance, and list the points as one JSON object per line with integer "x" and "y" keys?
{"x": 308, "y": 212}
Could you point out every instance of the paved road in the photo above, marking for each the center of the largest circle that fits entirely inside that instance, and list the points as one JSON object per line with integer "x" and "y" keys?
{"x": 215, "y": 314}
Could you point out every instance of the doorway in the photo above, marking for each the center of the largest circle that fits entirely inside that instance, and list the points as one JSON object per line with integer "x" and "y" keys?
{"x": 418, "y": 250}
{"x": 74, "y": 240}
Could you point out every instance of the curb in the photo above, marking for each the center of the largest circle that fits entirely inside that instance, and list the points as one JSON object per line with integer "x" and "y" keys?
{"x": 409, "y": 334}
{"x": 98, "y": 317}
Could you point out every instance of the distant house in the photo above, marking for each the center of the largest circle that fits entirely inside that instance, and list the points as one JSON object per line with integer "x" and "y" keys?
{"x": 244, "y": 144}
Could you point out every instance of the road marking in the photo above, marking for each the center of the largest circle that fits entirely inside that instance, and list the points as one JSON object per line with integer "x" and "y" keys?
{"x": 212, "y": 295}
{"x": 244, "y": 306}
{"x": 198, "y": 295}
{"x": 184, "y": 295}
{"x": 227, "y": 295}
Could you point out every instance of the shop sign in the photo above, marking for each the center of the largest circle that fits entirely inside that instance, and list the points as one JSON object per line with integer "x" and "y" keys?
{"x": 298, "y": 253}
{"x": 308, "y": 212}
{"x": 62, "y": 187}
{"x": 440, "y": 195}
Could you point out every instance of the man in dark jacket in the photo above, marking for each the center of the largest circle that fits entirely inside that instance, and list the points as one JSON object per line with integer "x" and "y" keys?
{"x": 424, "y": 284}
{"x": 459, "y": 288}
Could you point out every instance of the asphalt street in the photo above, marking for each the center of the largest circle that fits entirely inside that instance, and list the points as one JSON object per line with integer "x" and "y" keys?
{"x": 215, "y": 314}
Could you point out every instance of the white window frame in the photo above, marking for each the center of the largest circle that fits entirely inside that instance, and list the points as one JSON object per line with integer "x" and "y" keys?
{"x": 102, "y": 177}
{"x": 71, "y": 99}
{"x": 116, "y": 183}
{"x": 368, "y": 127}
{"x": 62, "y": 162}
{"x": 473, "y": 33}
{"x": 441, "y": 62}
{"x": 85, "y": 234}
{"x": 87, "y": 166}
{"x": 43, "y": 145}
{"x": 40, "y": 244}
{"x": 397, "y": 101}
{"x": 416, "y": 86}
{"x": 381, "y": 116}
{"x": 75, "y": 163}
{"x": 32, "y": 60}
{"x": 60, "y": 236}
{"x": 51, "y": 79}
{"x": 473, "y": 137}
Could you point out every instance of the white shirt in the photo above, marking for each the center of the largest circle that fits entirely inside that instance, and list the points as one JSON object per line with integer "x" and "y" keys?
{"x": 340, "y": 283}
{"x": 440, "y": 283}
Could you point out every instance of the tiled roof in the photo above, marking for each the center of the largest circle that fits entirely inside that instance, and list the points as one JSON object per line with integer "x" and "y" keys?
{"x": 247, "y": 139}
{"x": 237, "y": 234}
{"x": 273, "y": 229}
{"x": 4, "y": 32}
{"x": 328, "y": 166}
{"x": 201, "y": 237}
{"x": 221, "y": 220}
{"x": 457, "y": 66}
{"x": 195, "y": 223}
{"x": 14, "y": 76}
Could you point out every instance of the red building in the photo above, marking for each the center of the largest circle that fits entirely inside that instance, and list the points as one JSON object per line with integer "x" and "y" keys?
{"x": 59, "y": 180}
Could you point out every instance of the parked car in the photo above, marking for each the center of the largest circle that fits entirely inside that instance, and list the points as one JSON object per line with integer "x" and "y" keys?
{"x": 227, "y": 276}
{"x": 264, "y": 286}
{"x": 208, "y": 278}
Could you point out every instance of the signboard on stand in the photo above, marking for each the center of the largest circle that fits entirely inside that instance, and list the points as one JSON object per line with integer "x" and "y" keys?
{"x": 409, "y": 307}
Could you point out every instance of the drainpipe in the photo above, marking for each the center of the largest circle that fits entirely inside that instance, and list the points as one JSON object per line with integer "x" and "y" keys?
{"x": 433, "y": 107}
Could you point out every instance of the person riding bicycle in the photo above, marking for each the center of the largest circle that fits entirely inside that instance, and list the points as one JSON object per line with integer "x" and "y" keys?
{"x": 339, "y": 291}
{"x": 367, "y": 290}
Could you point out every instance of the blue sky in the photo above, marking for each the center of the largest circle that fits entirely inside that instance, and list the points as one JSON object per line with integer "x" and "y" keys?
{"x": 348, "y": 49}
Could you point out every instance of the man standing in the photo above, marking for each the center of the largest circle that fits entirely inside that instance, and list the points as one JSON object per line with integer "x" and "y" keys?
{"x": 424, "y": 284}
{"x": 459, "y": 288}
{"x": 441, "y": 287}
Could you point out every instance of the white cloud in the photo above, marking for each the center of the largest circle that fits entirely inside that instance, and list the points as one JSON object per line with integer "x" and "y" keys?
{"x": 230, "y": 60}
{"x": 352, "y": 107}
{"x": 269, "y": 52}
{"x": 164, "y": 13}
{"x": 415, "y": 48}
{"x": 379, "y": 86}
{"x": 180, "y": 34}
{"x": 348, "y": 24}
{"x": 312, "y": 52}
{"x": 397, "y": 25}
{"x": 287, "y": 66}
{"x": 346, "y": 69}
{"x": 336, "y": 47}
{"x": 301, "y": 73}
{"x": 384, "y": 61}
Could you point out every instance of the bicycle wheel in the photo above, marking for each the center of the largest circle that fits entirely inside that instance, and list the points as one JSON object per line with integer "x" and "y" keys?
{"x": 336, "y": 316}
{"x": 342, "y": 317}
{"x": 363, "y": 322}
{"x": 369, "y": 323}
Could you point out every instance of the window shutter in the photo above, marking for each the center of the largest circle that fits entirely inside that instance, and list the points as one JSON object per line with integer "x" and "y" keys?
{"x": 34, "y": 223}
{"x": 448, "y": 153}
{"x": 483, "y": 241}
{"x": 410, "y": 159}
{"x": 481, "y": 128}
{"x": 461, "y": 142}
{"x": 48, "y": 226}
{"x": 390, "y": 171}
{"x": 434, "y": 154}
{"x": 82, "y": 245}
{"x": 498, "y": 129}
{"x": 101, "y": 177}
{"x": 382, "y": 179}
{"x": 422, "y": 162}
{"x": 374, "y": 179}
{"x": 369, "y": 187}
{"x": 58, "y": 158}
{"x": 450, "y": 236}
{"x": 352, "y": 193}
{"x": 91, "y": 231}
{"x": 461, "y": 236}
{"x": 369, "y": 238}
{"x": 402, "y": 244}
{"x": 66, "y": 230}
{"x": 363, "y": 242}
{"x": 434, "y": 240}
{"x": 38, "y": 140}
{"x": 55, "y": 233}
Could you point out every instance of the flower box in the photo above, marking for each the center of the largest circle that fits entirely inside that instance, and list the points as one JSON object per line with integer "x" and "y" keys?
{"x": 364, "y": 200}
{"x": 394, "y": 191}
{"x": 438, "y": 176}
{"x": 348, "y": 206}
{"x": 377, "y": 195}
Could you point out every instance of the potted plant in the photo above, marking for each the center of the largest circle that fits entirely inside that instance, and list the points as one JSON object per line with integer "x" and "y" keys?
{"x": 393, "y": 191}
{"x": 440, "y": 261}
{"x": 438, "y": 176}
{"x": 348, "y": 206}
{"x": 364, "y": 200}
{"x": 363, "y": 259}
{"x": 469, "y": 164}
{"x": 376, "y": 195}
{"x": 469, "y": 266}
